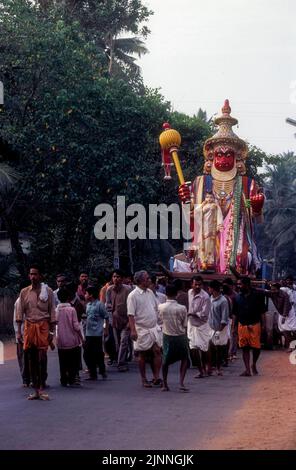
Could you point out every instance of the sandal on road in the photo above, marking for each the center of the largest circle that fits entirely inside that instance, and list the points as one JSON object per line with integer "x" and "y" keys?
{"x": 147, "y": 384}
{"x": 246, "y": 374}
{"x": 157, "y": 382}
{"x": 33, "y": 396}
{"x": 183, "y": 389}
{"x": 44, "y": 396}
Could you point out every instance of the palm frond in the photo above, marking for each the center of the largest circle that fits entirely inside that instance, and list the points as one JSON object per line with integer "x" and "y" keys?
{"x": 8, "y": 177}
{"x": 130, "y": 46}
{"x": 9, "y": 275}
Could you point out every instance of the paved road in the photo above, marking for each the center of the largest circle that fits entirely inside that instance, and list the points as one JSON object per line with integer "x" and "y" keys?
{"x": 120, "y": 414}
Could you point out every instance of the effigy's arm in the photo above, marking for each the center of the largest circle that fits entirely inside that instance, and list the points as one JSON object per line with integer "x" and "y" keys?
{"x": 257, "y": 199}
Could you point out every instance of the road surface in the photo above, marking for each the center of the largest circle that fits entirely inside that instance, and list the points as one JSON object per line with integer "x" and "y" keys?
{"x": 229, "y": 412}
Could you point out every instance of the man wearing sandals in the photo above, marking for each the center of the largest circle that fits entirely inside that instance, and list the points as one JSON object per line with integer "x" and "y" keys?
{"x": 36, "y": 308}
{"x": 198, "y": 329}
{"x": 175, "y": 342}
{"x": 218, "y": 322}
{"x": 142, "y": 310}
{"x": 249, "y": 308}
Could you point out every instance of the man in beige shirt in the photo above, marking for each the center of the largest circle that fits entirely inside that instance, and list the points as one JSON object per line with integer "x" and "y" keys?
{"x": 36, "y": 308}
{"x": 199, "y": 330}
{"x": 175, "y": 342}
{"x": 116, "y": 305}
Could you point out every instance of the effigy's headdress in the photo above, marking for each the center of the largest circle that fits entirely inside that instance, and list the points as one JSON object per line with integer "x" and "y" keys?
{"x": 225, "y": 137}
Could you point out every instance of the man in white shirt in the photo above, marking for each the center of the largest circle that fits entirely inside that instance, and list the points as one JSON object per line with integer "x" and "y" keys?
{"x": 288, "y": 325}
{"x": 142, "y": 310}
{"x": 198, "y": 327}
{"x": 175, "y": 342}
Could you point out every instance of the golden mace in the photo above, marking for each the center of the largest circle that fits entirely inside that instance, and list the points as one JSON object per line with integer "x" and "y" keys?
{"x": 170, "y": 140}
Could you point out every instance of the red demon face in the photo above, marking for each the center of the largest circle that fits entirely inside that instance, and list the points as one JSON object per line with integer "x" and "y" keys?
{"x": 224, "y": 158}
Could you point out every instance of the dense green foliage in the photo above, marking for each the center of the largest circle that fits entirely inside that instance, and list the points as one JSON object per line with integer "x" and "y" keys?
{"x": 278, "y": 237}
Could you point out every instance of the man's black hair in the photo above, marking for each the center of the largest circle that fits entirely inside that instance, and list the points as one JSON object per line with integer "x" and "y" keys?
{"x": 197, "y": 279}
{"x": 216, "y": 285}
{"x": 37, "y": 267}
{"x": 228, "y": 281}
{"x": 64, "y": 295}
{"x": 246, "y": 281}
{"x": 119, "y": 272}
{"x": 92, "y": 291}
{"x": 171, "y": 290}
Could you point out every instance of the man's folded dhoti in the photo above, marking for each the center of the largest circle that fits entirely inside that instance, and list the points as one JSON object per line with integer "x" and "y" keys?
{"x": 147, "y": 338}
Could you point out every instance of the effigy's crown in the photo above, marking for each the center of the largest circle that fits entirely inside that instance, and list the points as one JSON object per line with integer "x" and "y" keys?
{"x": 225, "y": 135}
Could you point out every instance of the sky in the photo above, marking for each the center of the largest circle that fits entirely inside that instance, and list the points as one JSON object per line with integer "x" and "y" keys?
{"x": 201, "y": 52}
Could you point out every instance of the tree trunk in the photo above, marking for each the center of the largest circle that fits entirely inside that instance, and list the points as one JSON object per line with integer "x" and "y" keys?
{"x": 116, "y": 263}
{"x": 111, "y": 59}
{"x": 130, "y": 255}
{"x": 274, "y": 269}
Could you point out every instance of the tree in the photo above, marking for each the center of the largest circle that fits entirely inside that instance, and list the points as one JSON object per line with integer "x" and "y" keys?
{"x": 10, "y": 195}
{"x": 105, "y": 23}
{"x": 120, "y": 54}
{"x": 280, "y": 213}
{"x": 201, "y": 114}
{"x": 80, "y": 138}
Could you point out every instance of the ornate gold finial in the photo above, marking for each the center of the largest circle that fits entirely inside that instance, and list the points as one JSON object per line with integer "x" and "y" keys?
{"x": 226, "y": 108}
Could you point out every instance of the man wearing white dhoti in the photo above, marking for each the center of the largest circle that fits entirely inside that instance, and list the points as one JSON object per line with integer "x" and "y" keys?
{"x": 142, "y": 310}
{"x": 198, "y": 329}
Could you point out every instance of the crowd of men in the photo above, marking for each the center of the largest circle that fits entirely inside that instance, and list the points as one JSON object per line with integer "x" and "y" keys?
{"x": 156, "y": 323}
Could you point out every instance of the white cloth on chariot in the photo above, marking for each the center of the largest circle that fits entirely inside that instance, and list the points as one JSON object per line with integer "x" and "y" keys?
{"x": 181, "y": 266}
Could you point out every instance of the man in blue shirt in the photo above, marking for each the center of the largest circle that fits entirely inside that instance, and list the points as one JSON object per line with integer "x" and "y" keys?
{"x": 95, "y": 329}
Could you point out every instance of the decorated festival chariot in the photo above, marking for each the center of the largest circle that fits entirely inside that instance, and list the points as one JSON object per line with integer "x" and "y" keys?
{"x": 221, "y": 206}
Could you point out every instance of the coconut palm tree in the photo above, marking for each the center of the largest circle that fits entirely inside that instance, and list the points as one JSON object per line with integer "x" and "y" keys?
{"x": 280, "y": 209}
{"x": 104, "y": 24}
{"x": 8, "y": 178}
{"x": 121, "y": 52}
{"x": 9, "y": 276}
{"x": 10, "y": 191}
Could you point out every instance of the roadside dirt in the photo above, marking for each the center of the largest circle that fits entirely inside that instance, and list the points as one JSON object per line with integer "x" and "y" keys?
{"x": 266, "y": 420}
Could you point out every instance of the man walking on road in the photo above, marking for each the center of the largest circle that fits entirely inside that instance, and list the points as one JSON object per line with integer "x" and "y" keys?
{"x": 249, "y": 308}
{"x": 142, "y": 309}
{"x": 175, "y": 342}
{"x": 116, "y": 304}
{"x": 218, "y": 321}
{"x": 36, "y": 307}
{"x": 95, "y": 331}
{"x": 198, "y": 326}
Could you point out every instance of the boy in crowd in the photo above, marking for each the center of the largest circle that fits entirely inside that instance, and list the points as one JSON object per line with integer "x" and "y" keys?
{"x": 93, "y": 349}
{"x": 69, "y": 339}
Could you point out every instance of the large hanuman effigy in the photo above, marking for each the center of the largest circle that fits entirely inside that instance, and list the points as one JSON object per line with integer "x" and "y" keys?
{"x": 224, "y": 203}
